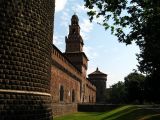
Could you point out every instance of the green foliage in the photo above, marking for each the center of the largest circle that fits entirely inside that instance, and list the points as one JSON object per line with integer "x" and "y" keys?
{"x": 113, "y": 10}
{"x": 142, "y": 19}
{"x": 130, "y": 91}
{"x": 152, "y": 89}
{"x": 128, "y": 112}
{"x": 134, "y": 86}
{"x": 117, "y": 93}
{"x": 133, "y": 14}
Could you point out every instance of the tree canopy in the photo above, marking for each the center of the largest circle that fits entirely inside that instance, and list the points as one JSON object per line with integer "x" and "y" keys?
{"x": 134, "y": 86}
{"x": 133, "y": 14}
{"x": 141, "y": 18}
{"x": 132, "y": 90}
{"x": 117, "y": 93}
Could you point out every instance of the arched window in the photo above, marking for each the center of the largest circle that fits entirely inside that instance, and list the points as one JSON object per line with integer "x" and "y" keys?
{"x": 61, "y": 93}
{"x": 73, "y": 96}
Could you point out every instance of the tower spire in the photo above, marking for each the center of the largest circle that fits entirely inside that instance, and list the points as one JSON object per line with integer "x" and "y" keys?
{"x": 97, "y": 69}
{"x": 74, "y": 46}
{"x": 74, "y": 42}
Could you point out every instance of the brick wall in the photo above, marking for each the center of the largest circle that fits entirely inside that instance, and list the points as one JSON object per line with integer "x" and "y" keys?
{"x": 63, "y": 109}
{"x": 90, "y": 92}
{"x": 25, "y": 59}
{"x": 63, "y": 73}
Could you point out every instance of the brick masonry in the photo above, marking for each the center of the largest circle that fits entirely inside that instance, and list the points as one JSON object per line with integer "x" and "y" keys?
{"x": 63, "y": 109}
{"x": 99, "y": 79}
{"x": 64, "y": 73}
{"x": 25, "y": 59}
{"x": 32, "y": 70}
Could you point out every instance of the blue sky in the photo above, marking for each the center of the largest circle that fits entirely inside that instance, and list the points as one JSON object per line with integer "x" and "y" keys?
{"x": 103, "y": 49}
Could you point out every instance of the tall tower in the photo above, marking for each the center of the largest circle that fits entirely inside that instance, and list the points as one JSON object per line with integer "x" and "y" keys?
{"x": 74, "y": 46}
{"x": 26, "y": 28}
{"x": 99, "y": 79}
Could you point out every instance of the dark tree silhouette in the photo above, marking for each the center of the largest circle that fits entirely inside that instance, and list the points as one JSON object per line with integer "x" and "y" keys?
{"x": 134, "y": 87}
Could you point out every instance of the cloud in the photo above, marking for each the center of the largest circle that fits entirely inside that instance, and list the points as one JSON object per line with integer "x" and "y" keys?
{"x": 58, "y": 41}
{"x": 65, "y": 18}
{"x": 79, "y": 8}
{"x": 98, "y": 20}
{"x": 71, "y": 0}
{"x": 60, "y": 5}
{"x": 86, "y": 27}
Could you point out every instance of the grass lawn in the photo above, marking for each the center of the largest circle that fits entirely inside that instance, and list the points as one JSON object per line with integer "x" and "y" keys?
{"x": 128, "y": 112}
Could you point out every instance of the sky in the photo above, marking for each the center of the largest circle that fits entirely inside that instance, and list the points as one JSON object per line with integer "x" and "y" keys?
{"x": 103, "y": 49}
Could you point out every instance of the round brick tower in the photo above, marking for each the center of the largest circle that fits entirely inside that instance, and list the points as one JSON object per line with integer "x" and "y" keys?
{"x": 26, "y": 28}
{"x": 99, "y": 79}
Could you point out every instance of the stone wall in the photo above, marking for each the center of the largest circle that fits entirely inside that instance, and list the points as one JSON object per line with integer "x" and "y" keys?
{"x": 26, "y": 28}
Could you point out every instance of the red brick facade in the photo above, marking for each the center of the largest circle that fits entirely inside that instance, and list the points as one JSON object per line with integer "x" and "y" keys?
{"x": 69, "y": 85}
{"x": 64, "y": 74}
{"x": 37, "y": 80}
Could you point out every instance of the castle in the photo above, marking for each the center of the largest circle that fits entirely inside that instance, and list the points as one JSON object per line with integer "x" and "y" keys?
{"x": 69, "y": 84}
{"x": 37, "y": 80}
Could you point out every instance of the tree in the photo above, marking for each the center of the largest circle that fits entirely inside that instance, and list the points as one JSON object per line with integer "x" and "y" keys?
{"x": 134, "y": 86}
{"x": 142, "y": 18}
{"x": 117, "y": 93}
{"x": 152, "y": 89}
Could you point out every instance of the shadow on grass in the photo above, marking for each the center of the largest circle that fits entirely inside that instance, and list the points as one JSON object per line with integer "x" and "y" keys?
{"x": 151, "y": 117}
{"x": 118, "y": 113}
{"x": 134, "y": 113}
{"x": 129, "y": 112}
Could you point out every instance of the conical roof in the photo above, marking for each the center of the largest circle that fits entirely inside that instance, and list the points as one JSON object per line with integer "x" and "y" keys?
{"x": 97, "y": 72}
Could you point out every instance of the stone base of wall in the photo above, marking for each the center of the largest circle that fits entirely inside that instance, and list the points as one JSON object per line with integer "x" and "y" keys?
{"x": 16, "y": 106}
{"x": 62, "y": 109}
{"x": 96, "y": 107}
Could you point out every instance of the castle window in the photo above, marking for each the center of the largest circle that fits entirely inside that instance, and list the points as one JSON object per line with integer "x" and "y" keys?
{"x": 61, "y": 93}
{"x": 73, "y": 96}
